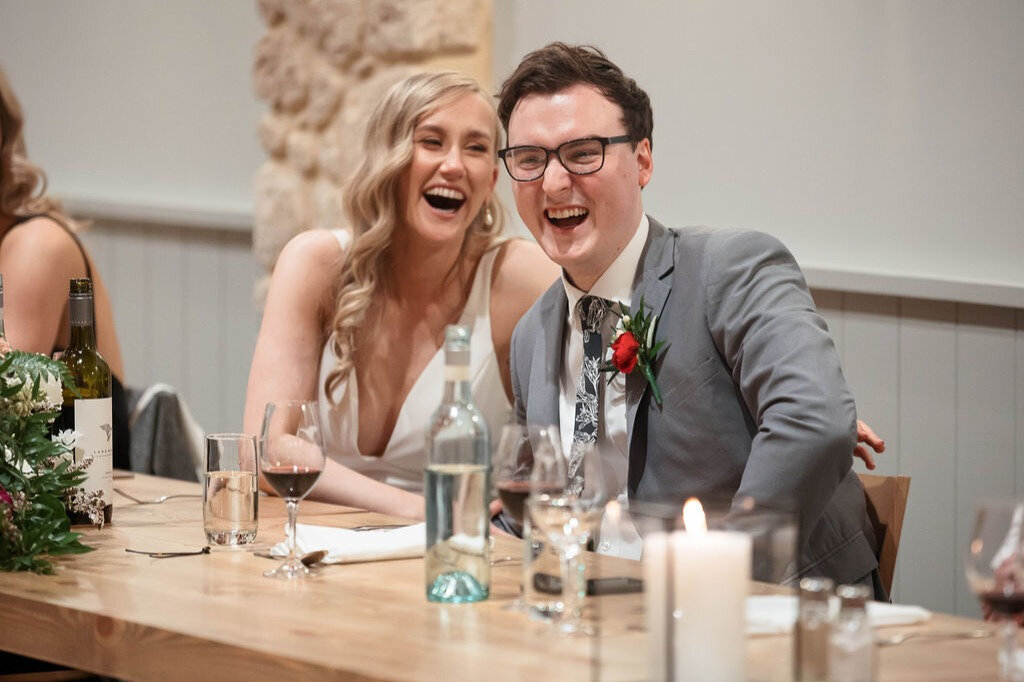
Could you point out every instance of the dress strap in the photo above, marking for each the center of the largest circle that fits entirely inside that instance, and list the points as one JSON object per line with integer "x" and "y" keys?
{"x": 479, "y": 302}
{"x": 344, "y": 238}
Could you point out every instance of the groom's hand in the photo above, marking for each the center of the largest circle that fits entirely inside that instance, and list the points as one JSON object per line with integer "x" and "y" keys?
{"x": 867, "y": 440}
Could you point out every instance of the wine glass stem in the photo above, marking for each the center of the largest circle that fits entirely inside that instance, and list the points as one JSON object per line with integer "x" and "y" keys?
{"x": 573, "y": 585}
{"x": 1009, "y": 662}
{"x": 293, "y": 515}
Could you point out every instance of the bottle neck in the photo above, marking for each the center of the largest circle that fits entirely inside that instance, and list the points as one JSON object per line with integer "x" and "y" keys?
{"x": 80, "y": 316}
{"x": 456, "y": 384}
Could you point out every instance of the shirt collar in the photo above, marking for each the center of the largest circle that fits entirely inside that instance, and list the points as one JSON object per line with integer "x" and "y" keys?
{"x": 616, "y": 283}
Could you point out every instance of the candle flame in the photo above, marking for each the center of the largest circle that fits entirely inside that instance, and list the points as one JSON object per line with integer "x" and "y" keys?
{"x": 694, "y": 520}
{"x": 613, "y": 512}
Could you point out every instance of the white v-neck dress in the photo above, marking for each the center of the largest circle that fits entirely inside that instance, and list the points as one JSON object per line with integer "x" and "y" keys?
{"x": 404, "y": 458}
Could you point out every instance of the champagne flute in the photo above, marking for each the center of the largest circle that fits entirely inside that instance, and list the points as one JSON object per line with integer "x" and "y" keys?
{"x": 995, "y": 573}
{"x": 291, "y": 459}
{"x": 569, "y": 519}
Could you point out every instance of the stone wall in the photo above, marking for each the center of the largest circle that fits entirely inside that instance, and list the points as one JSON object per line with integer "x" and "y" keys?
{"x": 321, "y": 67}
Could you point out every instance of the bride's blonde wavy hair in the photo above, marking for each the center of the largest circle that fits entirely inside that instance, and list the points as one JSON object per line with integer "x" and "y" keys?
{"x": 22, "y": 183}
{"x": 372, "y": 203}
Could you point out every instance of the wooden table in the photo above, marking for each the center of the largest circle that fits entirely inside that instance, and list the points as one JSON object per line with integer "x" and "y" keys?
{"x": 215, "y": 616}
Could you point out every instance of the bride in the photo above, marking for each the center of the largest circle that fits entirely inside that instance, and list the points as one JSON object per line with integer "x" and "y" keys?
{"x": 357, "y": 322}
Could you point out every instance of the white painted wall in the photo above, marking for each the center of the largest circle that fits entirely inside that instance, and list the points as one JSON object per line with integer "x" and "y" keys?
{"x": 872, "y": 136}
{"x": 138, "y": 103}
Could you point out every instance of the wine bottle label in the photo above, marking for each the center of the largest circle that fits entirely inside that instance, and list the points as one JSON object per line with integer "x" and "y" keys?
{"x": 456, "y": 372}
{"x": 94, "y": 424}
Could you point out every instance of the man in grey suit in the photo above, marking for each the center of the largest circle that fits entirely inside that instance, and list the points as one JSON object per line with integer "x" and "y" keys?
{"x": 753, "y": 400}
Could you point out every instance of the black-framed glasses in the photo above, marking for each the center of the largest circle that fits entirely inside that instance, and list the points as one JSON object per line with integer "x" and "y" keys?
{"x": 580, "y": 157}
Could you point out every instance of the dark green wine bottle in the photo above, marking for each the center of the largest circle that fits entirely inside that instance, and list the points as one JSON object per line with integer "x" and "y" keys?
{"x": 90, "y": 412}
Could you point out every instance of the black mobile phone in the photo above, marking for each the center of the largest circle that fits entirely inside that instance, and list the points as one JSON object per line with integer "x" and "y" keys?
{"x": 552, "y": 584}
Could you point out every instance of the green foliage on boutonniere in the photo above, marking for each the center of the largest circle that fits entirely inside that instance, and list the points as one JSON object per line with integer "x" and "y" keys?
{"x": 37, "y": 476}
{"x": 634, "y": 346}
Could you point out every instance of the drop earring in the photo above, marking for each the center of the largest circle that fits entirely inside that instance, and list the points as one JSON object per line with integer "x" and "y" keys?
{"x": 488, "y": 216}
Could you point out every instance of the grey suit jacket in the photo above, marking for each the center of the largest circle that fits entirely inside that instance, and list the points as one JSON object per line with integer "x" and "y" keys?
{"x": 754, "y": 400}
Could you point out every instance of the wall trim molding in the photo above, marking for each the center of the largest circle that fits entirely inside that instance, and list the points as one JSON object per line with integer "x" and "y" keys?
{"x": 915, "y": 286}
{"x": 195, "y": 216}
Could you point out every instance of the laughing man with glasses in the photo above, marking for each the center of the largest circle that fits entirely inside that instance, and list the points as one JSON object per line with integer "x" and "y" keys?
{"x": 753, "y": 400}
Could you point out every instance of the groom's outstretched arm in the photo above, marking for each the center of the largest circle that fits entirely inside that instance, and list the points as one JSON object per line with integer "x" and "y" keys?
{"x": 783, "y": 359}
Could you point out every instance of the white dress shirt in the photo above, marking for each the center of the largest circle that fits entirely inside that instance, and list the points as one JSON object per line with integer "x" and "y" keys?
{"x": 615, "y": 285}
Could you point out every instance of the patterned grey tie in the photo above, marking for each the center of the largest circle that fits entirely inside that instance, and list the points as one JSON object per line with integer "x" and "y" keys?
{"x": 592, "y": 311}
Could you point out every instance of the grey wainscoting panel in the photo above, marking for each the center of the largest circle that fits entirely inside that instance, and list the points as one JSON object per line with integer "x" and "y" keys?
{"x": 943, "y": 383}
{"x": 928, "y": 568}
{"x": 183, "y": 305}
{"x": 985, "y": 418}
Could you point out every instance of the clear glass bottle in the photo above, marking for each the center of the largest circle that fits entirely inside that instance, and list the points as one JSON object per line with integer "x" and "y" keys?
{"x": 852, "y": 654}
{"x": 457, "y": 485}
{"x": 811, "y": 632}
{"x": 89, "y": 412}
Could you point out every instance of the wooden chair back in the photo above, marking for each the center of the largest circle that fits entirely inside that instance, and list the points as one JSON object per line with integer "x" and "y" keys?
{"x": 886, "y": 502}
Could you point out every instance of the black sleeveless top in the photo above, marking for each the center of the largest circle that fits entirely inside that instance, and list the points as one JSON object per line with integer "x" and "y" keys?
{"x": 119, "y": 402}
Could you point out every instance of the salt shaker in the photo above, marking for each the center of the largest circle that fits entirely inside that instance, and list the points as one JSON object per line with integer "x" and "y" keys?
{"x": 811, "y": 634}
{"x": 852, "y": 654}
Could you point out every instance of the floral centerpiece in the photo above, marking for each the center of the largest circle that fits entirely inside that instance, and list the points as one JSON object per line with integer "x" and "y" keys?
{"x": 38, "y": 479}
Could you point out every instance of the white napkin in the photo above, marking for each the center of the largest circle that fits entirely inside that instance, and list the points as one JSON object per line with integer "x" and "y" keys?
{"x": 346, "y": 546}
{"x": 776, "y": 614}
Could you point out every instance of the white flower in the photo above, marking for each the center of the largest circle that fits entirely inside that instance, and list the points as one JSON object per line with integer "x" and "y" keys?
{"x": 8, "y": 455}
{"x": 625, "y": 320}
{"x": 53, "y": 390}
{"x": 68, "y": 438}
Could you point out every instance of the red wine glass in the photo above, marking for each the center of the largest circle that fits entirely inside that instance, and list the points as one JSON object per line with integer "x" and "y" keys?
{"x": 995, "y": 573}
{"x": 291, "y": 460}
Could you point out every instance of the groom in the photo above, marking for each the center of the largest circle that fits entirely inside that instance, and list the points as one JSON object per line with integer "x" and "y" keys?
{"x": 752, "y": 399}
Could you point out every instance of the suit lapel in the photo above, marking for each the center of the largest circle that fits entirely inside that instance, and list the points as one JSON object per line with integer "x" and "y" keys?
{"x": 653, "y": 285}
{"x": 548, "y": 354}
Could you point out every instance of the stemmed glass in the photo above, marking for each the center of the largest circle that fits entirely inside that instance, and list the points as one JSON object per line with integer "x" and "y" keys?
{"x": 528, "y": 459}
{"x": 291, "y": 459}
{"x": 995, "y": 573}
{"x": 569, "y": 519}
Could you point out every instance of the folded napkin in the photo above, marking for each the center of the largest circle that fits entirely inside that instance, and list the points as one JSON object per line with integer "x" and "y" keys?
{"x": 346, "y": 546}
{"x": 776, "y": 614}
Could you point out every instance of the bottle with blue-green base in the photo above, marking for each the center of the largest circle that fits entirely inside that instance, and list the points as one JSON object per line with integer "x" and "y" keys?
{"x": 457, "y": 485}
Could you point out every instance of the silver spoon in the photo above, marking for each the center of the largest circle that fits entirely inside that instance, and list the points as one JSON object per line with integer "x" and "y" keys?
{"x": 155, "y": 500}
{"x": 900, "y": 637}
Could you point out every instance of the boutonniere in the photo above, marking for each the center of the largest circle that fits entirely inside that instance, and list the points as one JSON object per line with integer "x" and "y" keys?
{"x": 634, "y": 346}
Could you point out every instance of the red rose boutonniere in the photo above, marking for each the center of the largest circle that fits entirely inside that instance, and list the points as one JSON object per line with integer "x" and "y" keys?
{"x": 634, "y": 346}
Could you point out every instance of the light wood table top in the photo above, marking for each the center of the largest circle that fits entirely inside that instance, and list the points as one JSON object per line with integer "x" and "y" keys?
{"x": 215, "y": 617}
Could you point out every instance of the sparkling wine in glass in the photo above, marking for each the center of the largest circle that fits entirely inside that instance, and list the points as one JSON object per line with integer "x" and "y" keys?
{"x": 568, "y": 519}
{"x": 995, "y": 573}
{"x": 291, "y": 460}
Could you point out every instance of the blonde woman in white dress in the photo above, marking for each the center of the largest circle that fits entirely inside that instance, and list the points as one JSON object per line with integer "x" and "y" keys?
{"x": 357, "y": 322}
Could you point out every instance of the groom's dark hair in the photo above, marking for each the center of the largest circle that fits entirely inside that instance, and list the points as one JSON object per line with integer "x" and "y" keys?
{"x": 558, "y": 66}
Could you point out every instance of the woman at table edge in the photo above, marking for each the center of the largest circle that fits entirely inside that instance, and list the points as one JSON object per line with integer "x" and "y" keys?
{"x": 39, "y": 253}
{"x": 424, "y": 220}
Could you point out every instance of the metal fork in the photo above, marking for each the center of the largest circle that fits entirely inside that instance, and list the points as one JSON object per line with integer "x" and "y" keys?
{"x": 900, "y": 637}
{"x": 155, "y": 500}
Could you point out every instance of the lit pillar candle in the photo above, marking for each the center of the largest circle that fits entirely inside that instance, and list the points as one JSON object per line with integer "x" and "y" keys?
{"x": 712, "y": 576}
{"x": 658, "y": 602}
